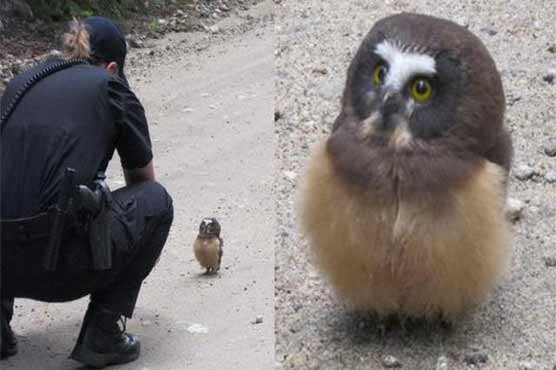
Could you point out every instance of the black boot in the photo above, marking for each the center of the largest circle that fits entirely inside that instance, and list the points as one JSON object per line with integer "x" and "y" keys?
{"x": 8, "y": 347}
{"x": 8, "y": 342}
{"x": 102, "y": 342}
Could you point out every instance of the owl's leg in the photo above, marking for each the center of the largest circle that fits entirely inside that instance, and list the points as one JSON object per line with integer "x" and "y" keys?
{"x": 384, "y": 323}
{"x": 405, "y": 324}
{"x": 381, "y": 330}
{"x": 446, "y": 326}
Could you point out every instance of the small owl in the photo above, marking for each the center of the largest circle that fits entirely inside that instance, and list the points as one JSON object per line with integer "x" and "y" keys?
{"x": 208, "y": 245}
{"x": 403, "y": 204}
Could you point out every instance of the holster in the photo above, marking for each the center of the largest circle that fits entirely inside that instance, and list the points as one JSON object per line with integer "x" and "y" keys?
{"x": 99, "y": 226}
{"x": 95, "y": 203}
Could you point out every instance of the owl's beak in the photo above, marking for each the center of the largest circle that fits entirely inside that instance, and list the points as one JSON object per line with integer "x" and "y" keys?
{"x": 390, "y": 120}
{"x": 392, "y": 111}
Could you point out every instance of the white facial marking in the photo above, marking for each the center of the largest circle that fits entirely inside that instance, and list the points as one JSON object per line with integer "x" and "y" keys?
{"x": 402, "y": 64}
{"x": 367, "y": 127}
{"x": 410, "y": 105}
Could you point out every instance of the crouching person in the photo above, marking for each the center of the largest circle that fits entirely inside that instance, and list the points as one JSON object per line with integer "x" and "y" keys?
{"x": 65, "y": 235}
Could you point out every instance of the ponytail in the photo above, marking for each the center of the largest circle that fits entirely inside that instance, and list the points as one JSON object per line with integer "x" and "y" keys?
{"x": 76, "y": 41}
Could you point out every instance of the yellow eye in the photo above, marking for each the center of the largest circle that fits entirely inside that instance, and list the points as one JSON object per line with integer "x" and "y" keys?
{"x": 379, "y": 74}
{"x": 421, "y": 90}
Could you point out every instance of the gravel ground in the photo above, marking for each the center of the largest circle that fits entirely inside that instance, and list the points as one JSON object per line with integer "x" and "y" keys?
{"x": 25, "y": 40}
{"x": 515, "y": 329}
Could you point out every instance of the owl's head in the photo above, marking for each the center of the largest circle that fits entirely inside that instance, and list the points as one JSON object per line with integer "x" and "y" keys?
{"x": 209, "y": 228}
{"x": 418, "y": 87}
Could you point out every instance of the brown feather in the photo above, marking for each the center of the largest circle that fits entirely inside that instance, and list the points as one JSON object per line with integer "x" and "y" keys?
{"x": 208, "y": 252}
{"x": 408, "y": 255}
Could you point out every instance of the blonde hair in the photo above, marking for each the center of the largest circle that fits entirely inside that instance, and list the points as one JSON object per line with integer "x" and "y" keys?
{"x": 76, "y": 41}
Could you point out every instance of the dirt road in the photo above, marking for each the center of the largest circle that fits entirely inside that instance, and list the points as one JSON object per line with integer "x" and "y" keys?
{"x": 515, "y": 329}
{"x": 210, "y": 106}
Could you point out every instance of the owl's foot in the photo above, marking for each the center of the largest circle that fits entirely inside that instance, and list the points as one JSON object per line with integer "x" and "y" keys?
{"x": 446, "y": 326}
{"x": 384, "y": 324}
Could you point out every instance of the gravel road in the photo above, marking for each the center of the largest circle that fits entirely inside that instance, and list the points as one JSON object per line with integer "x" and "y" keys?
{"x": 209, "y": 99}
{"x": 515, "y": 329}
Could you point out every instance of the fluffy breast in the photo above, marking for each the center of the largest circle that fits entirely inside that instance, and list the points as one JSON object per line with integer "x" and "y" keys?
{"x": 416, "y": 256}
{"x": 207, "y": 252}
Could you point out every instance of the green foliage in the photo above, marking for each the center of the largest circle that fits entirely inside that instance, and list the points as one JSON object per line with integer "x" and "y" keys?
{"x": 60, "y": 10}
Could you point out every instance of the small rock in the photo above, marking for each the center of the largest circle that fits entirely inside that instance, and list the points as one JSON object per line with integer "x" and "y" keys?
{"x": 527, "y": 365}
{"x": 151, "y": 53}
{"x": 258, "y": 320}
{"x": 320, "y": 70}
{"x": 54, "y": 53}
{"x": 550, "y": 76}
{"x": 197, "y": 329}
{"x": 489, "y": 31}
{"x": 214, "y": 29}
{"x": 514, "y": 209}
{"x": 297, "y": 360}
{"x": 476, "y": 358}
{"x": 290, "y": 175}
{"x": 550, "y": 149}
{"x": 513, "y": 99}
{"x": 462, "y": 21}
{"x": 552, "y": 49}
{"x": 17, "y": 68}
{"x": 550, "y": 261}
{"x": 442, "y": 363}
{"x": 550, "y": 177}
{"x": 277, "y": 115}
{"x": 391, "y": 362}
{"x": 524, "y": 172}
{"x": 135, "y": 43}
{"x": 1, "y": 26}
{"x": 162, "y": 22}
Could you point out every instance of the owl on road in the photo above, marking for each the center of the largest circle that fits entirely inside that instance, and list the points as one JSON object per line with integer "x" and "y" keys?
{"x": 208, "y": 245}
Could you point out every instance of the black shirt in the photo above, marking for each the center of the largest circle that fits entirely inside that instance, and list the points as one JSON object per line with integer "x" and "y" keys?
{"x": 75, "y": 118}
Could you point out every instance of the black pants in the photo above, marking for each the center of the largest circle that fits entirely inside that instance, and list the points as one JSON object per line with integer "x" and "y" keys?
{"x": 142, "y": 217}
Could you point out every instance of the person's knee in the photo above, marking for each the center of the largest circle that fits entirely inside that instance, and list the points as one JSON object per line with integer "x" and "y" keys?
{"x": 158, "y": 201}
{"x": 167, "y": 203}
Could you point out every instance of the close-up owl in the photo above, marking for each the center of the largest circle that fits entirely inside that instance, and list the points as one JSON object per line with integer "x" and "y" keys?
{"x": 403, "y": 204}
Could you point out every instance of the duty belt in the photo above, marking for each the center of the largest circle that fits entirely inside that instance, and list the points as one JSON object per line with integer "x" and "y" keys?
{"x": 25, "y": 230}
{"x": 94, "y": 205}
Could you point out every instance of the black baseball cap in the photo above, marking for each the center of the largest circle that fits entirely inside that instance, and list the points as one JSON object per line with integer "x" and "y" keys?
{"x": 107, "y": 42}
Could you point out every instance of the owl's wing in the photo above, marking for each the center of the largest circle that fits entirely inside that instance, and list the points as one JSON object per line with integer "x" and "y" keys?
{"x": 221, "y": 246}
{"x": 501, "y": 152}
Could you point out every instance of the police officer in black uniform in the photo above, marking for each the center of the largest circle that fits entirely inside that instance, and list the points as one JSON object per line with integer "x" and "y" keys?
{"x": 64, "y": 234}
